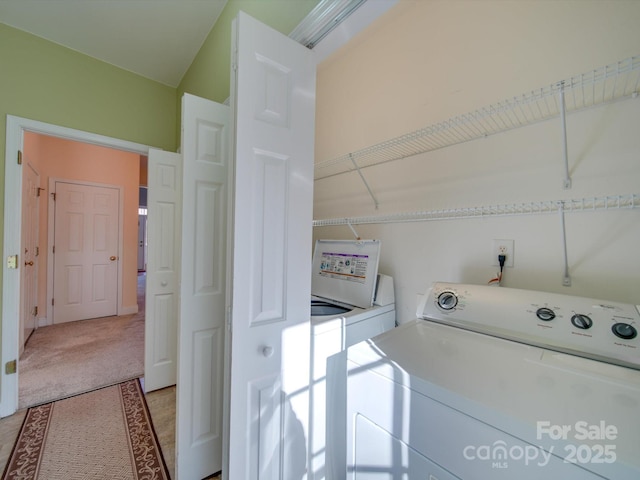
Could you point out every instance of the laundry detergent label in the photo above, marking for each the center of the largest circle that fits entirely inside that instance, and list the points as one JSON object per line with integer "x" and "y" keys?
{"x": 344, "y": 266}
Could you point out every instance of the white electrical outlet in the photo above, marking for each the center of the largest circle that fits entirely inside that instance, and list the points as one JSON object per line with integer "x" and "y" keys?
{"x": 502, "y": 247}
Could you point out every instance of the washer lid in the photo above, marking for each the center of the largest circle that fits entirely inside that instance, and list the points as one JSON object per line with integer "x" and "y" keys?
{"x": 346, "y": 270}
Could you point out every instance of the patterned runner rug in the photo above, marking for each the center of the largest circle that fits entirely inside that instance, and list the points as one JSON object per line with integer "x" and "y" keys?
{"x": 103, "y": 434}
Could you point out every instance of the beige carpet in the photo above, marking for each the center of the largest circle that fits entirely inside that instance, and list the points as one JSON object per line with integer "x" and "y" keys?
{"x": 76, "y": 357}
{"x": 104, "y": 434}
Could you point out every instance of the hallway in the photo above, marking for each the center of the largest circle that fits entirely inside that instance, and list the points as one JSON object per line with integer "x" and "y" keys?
{"x": 80, "y": 366}
{"x": 75, "y": 357}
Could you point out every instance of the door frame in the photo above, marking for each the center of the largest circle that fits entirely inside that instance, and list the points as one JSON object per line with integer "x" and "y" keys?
{"x": 51, "y": 222}
{"x": 16, "y": 126}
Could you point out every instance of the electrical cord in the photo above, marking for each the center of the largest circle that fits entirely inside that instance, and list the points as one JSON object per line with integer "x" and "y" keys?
{"x": 498, "y": 279}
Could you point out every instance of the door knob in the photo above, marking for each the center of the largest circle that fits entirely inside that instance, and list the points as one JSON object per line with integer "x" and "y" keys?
{"x": 29, "y": 263}
{"x": 112, "y": 258}
{"x": 267, "y": 351}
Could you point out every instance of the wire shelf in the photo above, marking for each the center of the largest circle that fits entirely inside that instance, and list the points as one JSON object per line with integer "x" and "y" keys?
{"x": 611, "y": 202}
{"x": 602, "y": 85}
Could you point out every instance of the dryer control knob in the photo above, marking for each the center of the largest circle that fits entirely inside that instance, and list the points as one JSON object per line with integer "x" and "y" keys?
{"x": 447, "y": 300}
{"x": 545, "y": 314}
{"x": 581, "y": 321}
{"x": 624, "y": 330}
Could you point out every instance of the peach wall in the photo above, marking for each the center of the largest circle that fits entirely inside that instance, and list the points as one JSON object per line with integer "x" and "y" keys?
{"x": 424, "y": 62}
{"x": 65, "y": 159}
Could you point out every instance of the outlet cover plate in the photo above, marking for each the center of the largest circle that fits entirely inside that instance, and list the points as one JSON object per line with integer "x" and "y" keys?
{"x": 502, "y": 246}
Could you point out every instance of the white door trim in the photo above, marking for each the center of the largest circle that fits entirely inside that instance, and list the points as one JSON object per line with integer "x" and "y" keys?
{"x": 16, "y": 126}
{"x": 51, "y": 205}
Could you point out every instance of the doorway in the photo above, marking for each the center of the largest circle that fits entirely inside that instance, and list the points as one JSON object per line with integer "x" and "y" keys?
{"x": 86, "y": 241}
{"x": 16, "y": 130}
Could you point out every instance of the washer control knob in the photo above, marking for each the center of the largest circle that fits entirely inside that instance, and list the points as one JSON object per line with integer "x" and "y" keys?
{"x": 545, "y": 314}
{"x": 447, "y": 300}
{"x": 624, "y": 330}
{"x": 581, "y": 321}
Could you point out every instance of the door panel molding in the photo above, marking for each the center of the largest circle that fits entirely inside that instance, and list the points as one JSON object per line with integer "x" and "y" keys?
{"x": 266, "y": 396}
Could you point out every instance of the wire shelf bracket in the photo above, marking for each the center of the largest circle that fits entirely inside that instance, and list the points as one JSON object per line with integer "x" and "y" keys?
{"x": 366, "y": 184}
{"x": 566, "y": 279}
{"x": 565, "y": 152}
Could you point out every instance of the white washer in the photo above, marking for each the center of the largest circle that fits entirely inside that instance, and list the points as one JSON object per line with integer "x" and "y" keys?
{"x": 350, "y": 303}
{"x": 498, "y": 383}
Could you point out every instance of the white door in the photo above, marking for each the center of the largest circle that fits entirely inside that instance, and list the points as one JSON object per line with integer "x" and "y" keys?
{"x": 86, "y": 251}
{"x": 29, "y": 277}
{"x": 205, "y": 138}
{"x": 142, "y": 242}
{"x": 273, "y": 96}
{"x": 163, "y": 269}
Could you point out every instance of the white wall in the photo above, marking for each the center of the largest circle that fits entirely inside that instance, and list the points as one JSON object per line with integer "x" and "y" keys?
{"x": 427, "y": 61}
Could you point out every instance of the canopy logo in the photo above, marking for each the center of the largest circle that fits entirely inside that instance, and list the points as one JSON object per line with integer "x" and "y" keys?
{"x": 570, "y": 450}
{"x": 499, "y": 454}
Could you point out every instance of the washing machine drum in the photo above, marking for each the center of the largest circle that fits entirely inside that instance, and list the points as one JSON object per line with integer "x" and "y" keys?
{"x": 321, "y": 307}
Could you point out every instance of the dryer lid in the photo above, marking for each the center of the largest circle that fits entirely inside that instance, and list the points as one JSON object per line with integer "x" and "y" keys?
{"x": 346, "y": 270}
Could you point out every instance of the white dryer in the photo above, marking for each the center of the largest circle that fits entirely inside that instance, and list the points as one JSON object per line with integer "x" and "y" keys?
{"x": 350, "y": 303}
{"x": 498, "y": 383}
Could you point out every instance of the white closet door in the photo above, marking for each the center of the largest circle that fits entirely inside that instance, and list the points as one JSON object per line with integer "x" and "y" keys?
{"x": 274, "y": 99}
{"x": 163, "y": 269}
{"x": 201, "y": 329}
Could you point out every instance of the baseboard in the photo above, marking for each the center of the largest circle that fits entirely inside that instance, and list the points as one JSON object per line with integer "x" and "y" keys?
{"x": 131, "y": 309}
{"x": 44, "y": 322}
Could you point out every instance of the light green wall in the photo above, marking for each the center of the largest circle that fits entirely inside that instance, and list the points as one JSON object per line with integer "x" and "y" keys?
{"x": 42, "y": 81}
{"x": 208, "y": 76}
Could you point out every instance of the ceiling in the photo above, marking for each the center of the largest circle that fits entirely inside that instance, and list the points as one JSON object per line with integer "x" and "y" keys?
{"x": 157, "y": 39}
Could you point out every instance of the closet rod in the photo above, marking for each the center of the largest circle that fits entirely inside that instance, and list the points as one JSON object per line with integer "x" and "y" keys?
{"x": 609, "y": 202}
